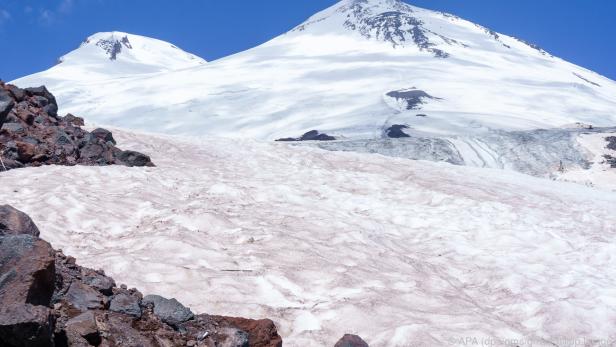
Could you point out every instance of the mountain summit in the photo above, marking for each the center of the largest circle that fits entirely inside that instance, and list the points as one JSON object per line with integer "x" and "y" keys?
{"x": 117, "y": 54}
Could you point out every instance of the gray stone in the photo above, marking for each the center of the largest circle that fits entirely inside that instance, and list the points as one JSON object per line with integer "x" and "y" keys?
{"x": 83, "y": 297}
{"x": 169, "y": 311}
{"x": 126, "y": 304}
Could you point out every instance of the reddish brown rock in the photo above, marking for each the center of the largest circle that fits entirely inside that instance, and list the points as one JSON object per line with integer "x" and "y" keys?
{"x": 32, "y": 134}
{"x": 13, "y": 221}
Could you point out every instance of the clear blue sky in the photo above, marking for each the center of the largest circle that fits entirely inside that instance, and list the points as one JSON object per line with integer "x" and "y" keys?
{"x": 34, "y": 33}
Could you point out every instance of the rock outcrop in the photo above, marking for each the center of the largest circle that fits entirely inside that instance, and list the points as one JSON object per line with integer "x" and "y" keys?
{"x": 396, "y": 131}
{"x": 46, "y": 299}
{"x": 312, "y": 135}
{"x": 32, "y": 134}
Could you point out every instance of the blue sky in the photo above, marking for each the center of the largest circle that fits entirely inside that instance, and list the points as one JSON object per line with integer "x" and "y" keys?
{"x": 34, "y": 33}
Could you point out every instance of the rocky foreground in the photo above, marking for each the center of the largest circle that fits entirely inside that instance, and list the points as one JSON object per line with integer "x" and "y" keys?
{"x": 46, "y": 299}
{"x": 32, "y": 134}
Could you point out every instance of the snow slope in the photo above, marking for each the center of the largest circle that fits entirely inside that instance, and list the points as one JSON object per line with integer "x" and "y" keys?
{"x": 337, "y": 73}
{"x": 405, "y": 253}
{"x": 117, "y": 55}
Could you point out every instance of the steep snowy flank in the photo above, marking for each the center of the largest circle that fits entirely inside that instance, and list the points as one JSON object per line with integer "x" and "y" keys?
{"x": 117, "y": 55}
{"x": 336, "y": 73}
{"x": 405, "y": 253}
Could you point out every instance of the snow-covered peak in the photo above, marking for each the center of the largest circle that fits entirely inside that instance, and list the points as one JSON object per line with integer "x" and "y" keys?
{"x": 399, "y": 24}
{"x": 115, "y": 54}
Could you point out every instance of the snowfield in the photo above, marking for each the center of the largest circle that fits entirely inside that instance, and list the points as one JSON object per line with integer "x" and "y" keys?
{"x": 404, "y": 253}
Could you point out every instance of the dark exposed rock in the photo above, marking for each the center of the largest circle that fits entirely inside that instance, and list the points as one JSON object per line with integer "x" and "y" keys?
{"x": 41, "y": 91}
{"x": 395, "y": 131}
{"x": 83, "y": 327}
{"x": 34, "y": 135}
{"x": 104, "y": 135}
{"x": 349, "y": 340}
{"x": 132, "y": 158}
{"x": 84, "y": 297}
{"x": 26, "y": 286}
{"x": 169, "y": 311}
{"x": 312, "y": 135}
{"x": 611, "y": 142}
{"x": 127, "y": 304}
{"x": 26, "y": 326}
{"x": 88, "y": 310}
{"x": 414, "y": 98}
{"x": 6, "y": 105}
{"x": 27, "y": 268}
{"x": 13, "y": 221}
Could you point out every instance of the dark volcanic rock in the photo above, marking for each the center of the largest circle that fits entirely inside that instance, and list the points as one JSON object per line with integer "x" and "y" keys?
{"x": 13, "y": 221}
{"x": 104, "y": 135}
{"x": 169, "y": 311}
{"x": 349, "y": 340}
{"x": 26, "y": 285}
{"x": 84, "y": 297}
{"x": 6, "y": 105}
{"x": 611, "y": 142}
{"x": 34, "y": 135}
{"x": 26, "y": 326}
{"x": 127, "y": 304}
{"x": 395, "y": 131}
{"x": 86, "y": 308}
{"x": 312, "y": 135}
{"x": 27, "y": 271}
{"x": 414, "y": 98}
{"x": 132, "y": 158}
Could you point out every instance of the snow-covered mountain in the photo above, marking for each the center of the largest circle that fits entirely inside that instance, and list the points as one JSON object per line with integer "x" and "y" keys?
{"x": 352, "y": 71}
{"x": 117, "y": 55}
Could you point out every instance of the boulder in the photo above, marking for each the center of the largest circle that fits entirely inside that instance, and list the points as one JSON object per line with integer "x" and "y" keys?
{"x": 126, "y": 304}
{"x": 99, "y": 282}
{"x": 349, "y": 340}
{"x": 131, "y": 158}
{"x": 27, "y": 271}
{"x": 83, "y": 327}
{"x": 104, "y": 135}
{"x": 26, "y": 326}
{"x": 83, "y": 297}
{"x": 13, "y": 221}
{"x": 169, "y": 311}
{"x": 41, "y": 91}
